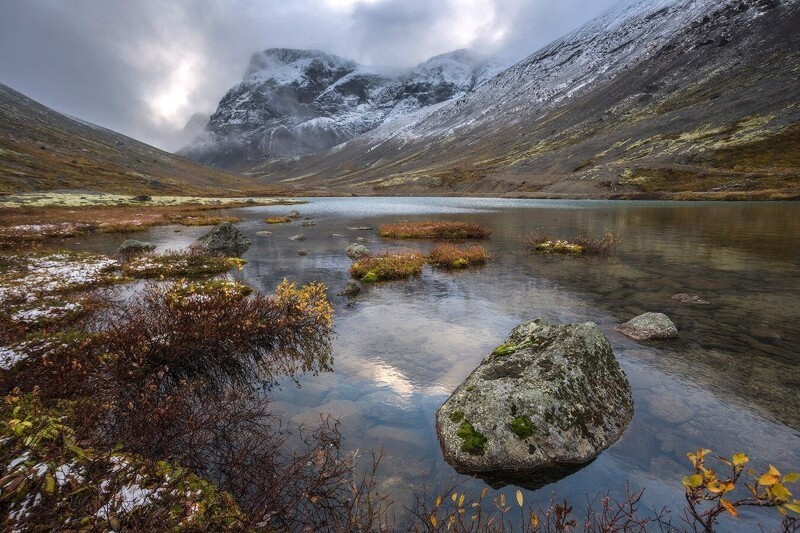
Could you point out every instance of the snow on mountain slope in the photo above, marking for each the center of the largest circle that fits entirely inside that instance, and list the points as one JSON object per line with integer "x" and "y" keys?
{"x": 295, "y": 102}
{"x": 649, "y": 83}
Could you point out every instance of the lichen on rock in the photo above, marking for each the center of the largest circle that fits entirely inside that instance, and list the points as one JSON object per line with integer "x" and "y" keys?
{"x": 545, "y": 405}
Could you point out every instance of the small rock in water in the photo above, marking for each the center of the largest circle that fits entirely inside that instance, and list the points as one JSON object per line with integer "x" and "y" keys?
{"x": 307, "y": 223}
{"x": 546, "y": 402}
{"x": 294, "y": 214}
{"x": 226, "y": 239}
{"x": 354, "y": 251}
{"x": 690, "y": 299}
{"x": 302, "y": 252}
{"x": 337, "y": 235}
{"x": 299, "y": 237}
{"x": 131, "y": 246}
{"x": 649, "y": 326}
{"x": 362, "y": 240}
{"x": 263, "y": 233}
{"x": 359, "y": 228}
{"x": 351, "y": 289}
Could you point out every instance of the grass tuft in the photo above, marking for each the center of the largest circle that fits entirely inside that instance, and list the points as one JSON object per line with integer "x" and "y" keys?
{"x": 453, "y": 256}
{"x": 277, "y": 220}
{"x": 543, "y": 242}
{"x": 192, "y": 263}
{"x": 449, "y": 230}
{"x": 387, "y": 266}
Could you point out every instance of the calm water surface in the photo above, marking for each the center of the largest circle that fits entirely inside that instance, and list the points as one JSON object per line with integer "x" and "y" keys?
{"x": 731, "y": 382}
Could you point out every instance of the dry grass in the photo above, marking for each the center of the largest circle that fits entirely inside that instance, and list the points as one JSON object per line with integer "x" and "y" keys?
{"x": 20, "y": 226}
{"x": 454, "y": 256}
{"x": 543, "y": 242}
{"x": 388, "y": 266}
{"x": 277, "y": 220}
{"x": 442, "y": 229}
{"x": 192, "y": 263}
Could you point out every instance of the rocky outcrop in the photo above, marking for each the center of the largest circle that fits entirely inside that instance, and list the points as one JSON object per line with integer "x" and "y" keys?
{"x": 132, "y": 246}
{"x": 543, "y": 404}
{"x": 355, "y": 250}
{"x": 649, "y": 326}
{"x": 225, "y": 239}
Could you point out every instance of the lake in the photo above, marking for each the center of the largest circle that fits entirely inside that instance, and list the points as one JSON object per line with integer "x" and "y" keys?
{"x": 730, "y": 382}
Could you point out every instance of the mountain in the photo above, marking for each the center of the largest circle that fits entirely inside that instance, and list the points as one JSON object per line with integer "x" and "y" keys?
{"x": 296, "y": 102}
{"x": 42, "y": 150}
{"x": 683, "y": 98}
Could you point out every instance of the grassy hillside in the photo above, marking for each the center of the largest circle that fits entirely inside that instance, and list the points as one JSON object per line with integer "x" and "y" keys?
{"x": 41, "y": 150}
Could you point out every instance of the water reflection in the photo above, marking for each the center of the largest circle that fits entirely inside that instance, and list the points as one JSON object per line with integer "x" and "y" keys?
{"x": 730, "y": 382}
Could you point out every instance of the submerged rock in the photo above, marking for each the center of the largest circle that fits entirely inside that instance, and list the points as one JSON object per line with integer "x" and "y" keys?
{"x": 359, "y": 228}
{"x": 362, "y": 240}
{"x": 351, "y": 289}
{"x": 690, "y": 299}
{"x": 226, "y": 239}
{"x": 307, "y": 223}
{"x": 299, "y": 237}
{"x": 294, "y": 213}
{"x": 649, "y": 326}
{"x": 542, "y": 405}
{"x": 132, "y": 246}
{"x": 264, "y": 233}
{"x": 354, "y": 251}
{"x": 302, "y": 252}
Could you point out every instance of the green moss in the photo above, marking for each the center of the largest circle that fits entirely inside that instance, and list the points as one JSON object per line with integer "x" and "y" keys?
{"x": 522, "y": 426}
{"x": 504, "y": 349}
{"x": 474, "y": 441}
{"x": 460, "y": 263}
{"x": 370, "y": 277}
{"x": 457, "y": 416}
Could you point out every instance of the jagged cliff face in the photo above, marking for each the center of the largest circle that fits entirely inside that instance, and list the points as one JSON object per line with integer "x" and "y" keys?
{"x": 296, "y": 102}
{"x": 653, "y": 96}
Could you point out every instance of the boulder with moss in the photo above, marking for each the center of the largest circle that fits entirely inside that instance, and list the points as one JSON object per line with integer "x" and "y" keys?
{"x": 546, "y": 402}
{"x": 225, "y": 239}
{"x": 649, "y": 326}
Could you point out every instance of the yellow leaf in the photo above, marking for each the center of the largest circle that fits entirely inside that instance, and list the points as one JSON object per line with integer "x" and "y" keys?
{"x": 519, "y": 497}
{"x": 793, "y": 507}
{"x": 483, "y": 492}
{"x": 715, "y": 486}
{"x": 770, "y": 478}
{"x": 461, "y": 500}
{"x": 692, "y": 481}
{"x": 433, "y": 520}
{"x": 780, "y": 492}
{"x": 534, "y": 521}
{"x": 739, "y": 459}
{"x": 502, "y": 500}
{"x": 791, "y": 477}
{"x": 455, "y": 496}
{"x": 314, "y": 499}
{"x": 438, "y": 501}
{"x": 729, "y": 507}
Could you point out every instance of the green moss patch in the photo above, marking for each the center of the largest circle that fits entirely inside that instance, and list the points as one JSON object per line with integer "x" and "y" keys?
{"x": 522, "y": 426}
{"x": 504, "y": 349}
{"x": 185, "y": 264}
{"x": 474, "y": 441}
{"x": 457, "y": 416}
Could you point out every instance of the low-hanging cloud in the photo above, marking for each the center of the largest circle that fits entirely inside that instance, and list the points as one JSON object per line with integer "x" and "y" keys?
{"x": 144, "y": 68}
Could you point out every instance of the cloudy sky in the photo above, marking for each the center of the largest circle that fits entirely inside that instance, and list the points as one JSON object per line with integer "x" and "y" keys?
{"x": 144, "y": 67}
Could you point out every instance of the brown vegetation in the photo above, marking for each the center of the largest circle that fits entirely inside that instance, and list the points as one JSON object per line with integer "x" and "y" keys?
{"x": 277, "y": 220}
{"x": 541, "y": 241}
{"x": 191, "y": 263}
{"x": 387, "y": 266}
{"x": 454, "y": 256}
{"x": 439, "y": 229}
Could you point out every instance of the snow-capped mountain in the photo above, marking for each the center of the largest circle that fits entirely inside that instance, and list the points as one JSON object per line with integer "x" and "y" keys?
{"x": 295, "y": 102}
{"x": 647, "y": 96}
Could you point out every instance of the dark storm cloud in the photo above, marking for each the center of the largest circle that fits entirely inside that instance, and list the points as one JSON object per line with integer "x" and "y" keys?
{"x": 144, "y": 67}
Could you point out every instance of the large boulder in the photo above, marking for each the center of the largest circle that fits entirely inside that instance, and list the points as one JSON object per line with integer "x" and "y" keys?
{"x": 542, "y": 405}
{"x": 132, "y": 246}
{"x": 649, "y": 326}
{"x": 354, "y": 251}
{"x": 225, "y": 239}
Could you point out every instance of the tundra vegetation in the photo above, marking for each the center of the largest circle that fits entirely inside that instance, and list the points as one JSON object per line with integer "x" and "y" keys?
{"x": 434, "y": 229}
{"x": 580, "y": 245}
{"x": 449, "y": 255}
{"x": 388, "y": 266}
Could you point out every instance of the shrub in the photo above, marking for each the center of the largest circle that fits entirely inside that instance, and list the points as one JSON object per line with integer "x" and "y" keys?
{"x": 388, "y": 266}
{"x": 191, "y": 263}
{"x": 543, "y": 242}
{"x": 453, "y": 256}
{"x": 450, "y": 230}
{"x": 277, "y": 220}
